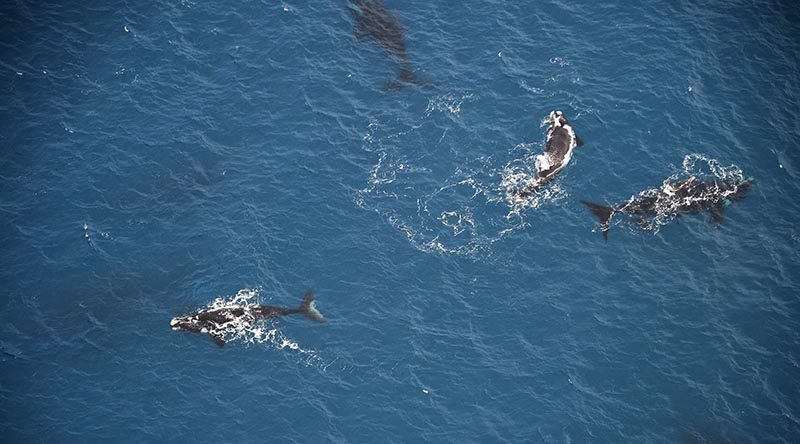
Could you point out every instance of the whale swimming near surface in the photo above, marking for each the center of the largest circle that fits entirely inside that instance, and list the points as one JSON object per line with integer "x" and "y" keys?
{"x": 561, "y": 142}
{"x": 676, "y": 197}
{"x": 375, "y": 21}
{"x": 215, "y": 321}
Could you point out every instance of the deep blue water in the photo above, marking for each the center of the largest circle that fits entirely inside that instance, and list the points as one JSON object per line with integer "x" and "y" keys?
{"x": 213, "y": 147}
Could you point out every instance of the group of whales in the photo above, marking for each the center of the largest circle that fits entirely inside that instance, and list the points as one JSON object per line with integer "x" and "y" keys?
{"x": 675, "y": 197}
{"x": 374, "y": 20}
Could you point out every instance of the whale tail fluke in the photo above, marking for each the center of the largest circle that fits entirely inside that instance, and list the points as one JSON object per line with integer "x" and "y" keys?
{"x": 603, "y": 213}
{"x": 308, "y": 308}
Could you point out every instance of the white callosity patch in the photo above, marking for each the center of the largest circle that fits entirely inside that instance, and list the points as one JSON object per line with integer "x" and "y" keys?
{"x": 543, "y": 162}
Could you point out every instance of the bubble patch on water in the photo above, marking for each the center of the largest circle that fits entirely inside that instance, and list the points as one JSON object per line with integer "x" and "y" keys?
{"x": 450, "y": 219}
{"x": 447, "y": 103}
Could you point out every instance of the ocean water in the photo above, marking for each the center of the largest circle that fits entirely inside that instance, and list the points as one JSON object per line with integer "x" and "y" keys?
{"x": 158, "y": 156}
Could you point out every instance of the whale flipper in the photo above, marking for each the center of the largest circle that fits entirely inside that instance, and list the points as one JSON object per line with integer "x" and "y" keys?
{"x": 308, "y": 308}
{"x": 578, "y": 141}
{"x": 218, "y": 339}
{"x": 717, "y": 213}
{"x": 603, "y": 213}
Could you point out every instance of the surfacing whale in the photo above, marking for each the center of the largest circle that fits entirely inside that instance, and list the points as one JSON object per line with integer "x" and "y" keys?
{"x": 215, "y": 322}
{"x": 686, "y": 196}
{"x": 561, "y": 142}
{"x": 375, "y": 21}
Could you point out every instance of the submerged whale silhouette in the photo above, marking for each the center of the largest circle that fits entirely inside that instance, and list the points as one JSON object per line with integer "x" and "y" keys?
{"x": 561, "y": 142}
{"x": 687, "y": 196}
{"x": 214, "y": 322}
{"x": 375, "y": 21}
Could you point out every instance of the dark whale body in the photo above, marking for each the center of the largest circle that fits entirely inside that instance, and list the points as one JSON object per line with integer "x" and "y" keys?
{"x": 561, "y": 142}
{"x": 375, "y": 21}
{"x": 687, "y": 196}
{"x": 213, "y": 322}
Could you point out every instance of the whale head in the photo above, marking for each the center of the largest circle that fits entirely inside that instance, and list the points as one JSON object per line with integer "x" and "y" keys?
{"x": 557, "y": 119}
{"x": 186, "y": 323}
{"x": 196, "y": 324}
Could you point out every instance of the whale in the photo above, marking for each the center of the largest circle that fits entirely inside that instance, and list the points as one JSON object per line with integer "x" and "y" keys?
{"x": 214, "y": 322}
{"x": 560, "y": 143}
{"x": 374, "y": 21}
{"x": 676, "y": 197}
